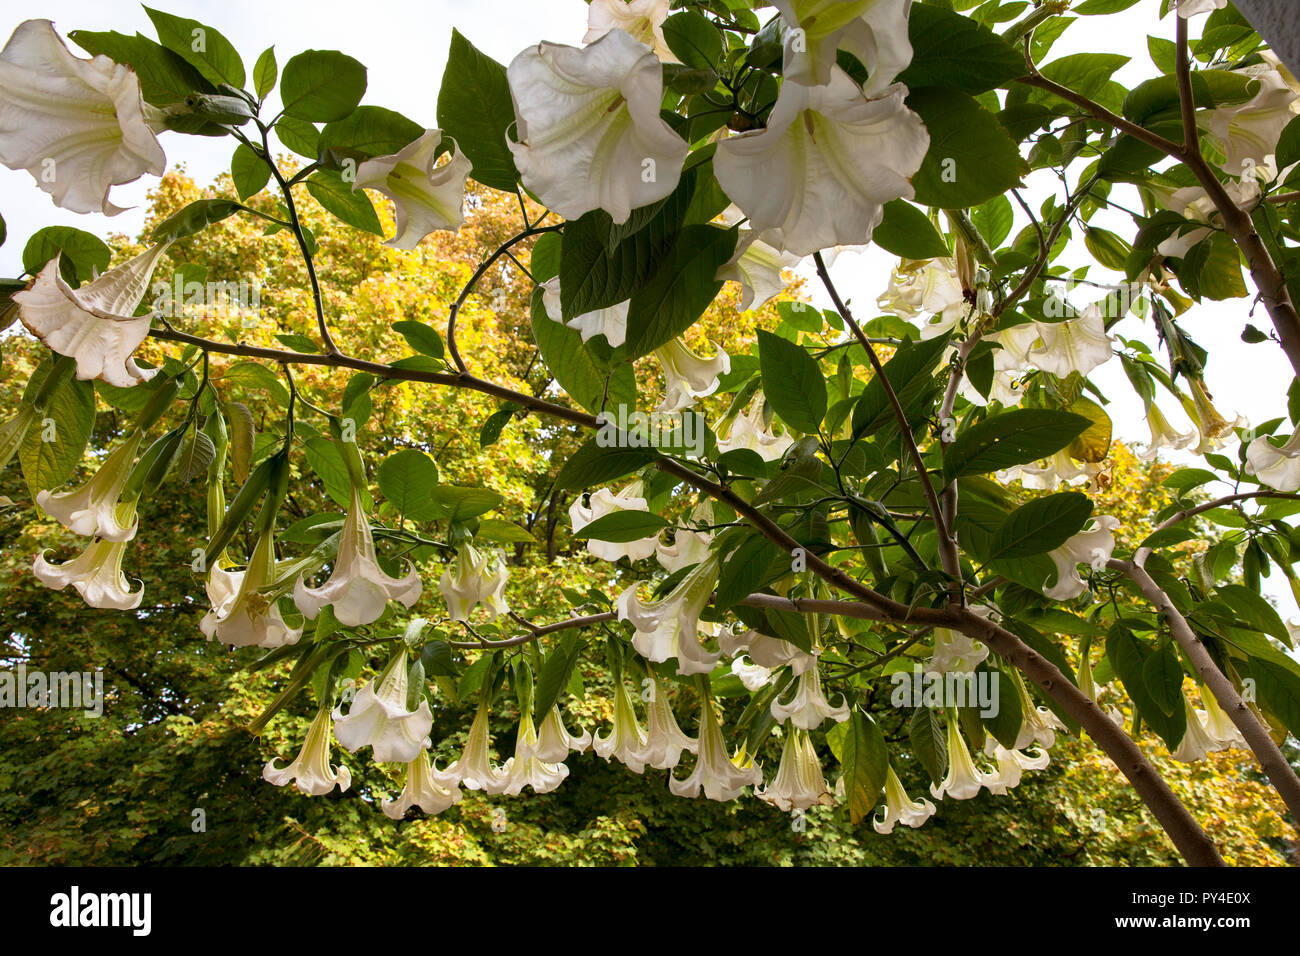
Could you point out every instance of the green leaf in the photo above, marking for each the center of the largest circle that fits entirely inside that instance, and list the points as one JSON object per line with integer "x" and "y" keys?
{"x": 83, "y": 254}
{"x": 1128, "y": 657}
{"x": 249, "y": 171}
{"x": 201, "y": 46}
{"x": 592, "y": 383}
{"x": 971, "y": 158}
{"x": 594, "y": 274}
{"x": 994, "y": 220}
{"x": 953, "y": 51}
{"x": 475, "y": 109}
{"x": 622, "y": 526}
{"x": 911, "y": 375}
{"x": 1041, "y": 525}
{"x": 329, "y": 189}
{"x": 369, "y": 131}
{"x": 1093, "y": 445}
{"x": 682, "y": 287}
{"x": 593, "y": 465}
{"x": 56, "y": 440}
{"x": 1096, "y": 7}
{"x": 929, "y": 742}
{"x": 1212, "y": 269}
{"x": 744, "y": 571}
{"x": 298, "y": 135}
{"x": 792, "y": 382}
{"x": 1006, "y": 723}
{"x": 865, "y": 760}
{"x": 556, "y": 671}
{"x": 694, "y": 40}
{"x": 1279, "y": 692}
{"x": 408, "y": 478}
{"x": 1162, "y": 675}
{"x": 907, "y": 232}
{"x": 420, "y": 337}
{"x": 265, "y": 73}
{"x": 449, "y": 503}
{"x": 1255, "y": 611}
{"x": 194, "y": 218}
{"x": 165, "y": 78}
{"x": 1016, "y": 437}
{"x": 1185, "y": 479}
{"x": 502, "y": 532}
{"x": 321, "y": 86}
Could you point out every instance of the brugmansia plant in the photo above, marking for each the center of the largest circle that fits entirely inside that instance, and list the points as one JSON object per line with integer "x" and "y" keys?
{"x": 863, "y": 514}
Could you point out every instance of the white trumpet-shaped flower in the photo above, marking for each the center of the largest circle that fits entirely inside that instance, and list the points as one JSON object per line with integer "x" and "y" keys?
{"x": 687, "y": 376}
{"x": 480, "y": 578}
{"x": 358, "y": 589}
{"x": 874, "y": 31}
{"x": 1277, "y": 467}
{"x": 603, "y": 502}
{"x": 1012, "y": 765}
{"x": 311, "y": 771}
{"x": 1047, "y": 475}
{"x": 610, "y": 322}
{"x": 670, "y": 627}
{"x": 665, "y": 739}
{"x": 928, "y": 289}
{"x": 752, "y": 429}
{"x": 380, "y": 719}
{"x": 1092, "y": 547}
{"x": 1197, "y": 741}
{"x": 426, "y": 197}
{"x": 1250, "y": 131}
{"x": 1075, "y": 345}
{"x": 954, "y": 651}
{"x": 799, "y": 782}
{"x": 822, "y": 170}
{"x": 900, "y": 808}
{"x": 427, "y": 787}
{"x": 688, "y": 547}
{"x": 78, "y": 126}
{"x": 963, "y": 779}
{"x": 96, "y": 323}
{"x": 757, "y": 266}
{"x": 526, "y": 768}
{"x": 626, "y": 741}
{"x": 716, "y": 773}
{"x": 96, "y": 574}
{"x": 808, "y": 706}
{"x": 1191, "y": 8}
{"x": 474, "y": 768}
{"x": 643, "y": 20}
{"x": 1218, "y": 724}
{"x": 241, "y": 615}
{"x": 95, "y": 509}
{"x": 769, "y": 652}
{"x": 753, "y": 676}
{"x": 554, "y": 742}
{"x": 1164, "y": 435}
{"x": 588, "y": 130}
{"x": 1215, "y": 430}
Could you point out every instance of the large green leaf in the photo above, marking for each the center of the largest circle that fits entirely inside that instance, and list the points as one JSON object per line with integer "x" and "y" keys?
{"x": 865, "y": 760}
{"x": 556, "y": 671}
{"x": 1016, "y": 437}
{"x": 622, "y": 526}
{"x": 971, "y": 158}
{"x": 681, "y": 288}
{"x": 953, "y": 51}
{"x": 475, "y": 109}
{"x": 407, "y": 478}
{"x": 56, "y": 439}
{"x": 201, "y": 46}
{"x": 321, "y": 86}
{"x": 165, "y": 78}
{"x": 329, "y": 189}
{"x": 1128, "y": 657}
{"x": 792, "y": 382}
{"x": 449, "y": 503}
{"x": 911, "y": 375}
{"x": 369, "y": 131}
{"x": 929, "y": 742}
{"x": 592, "y": 383}
{"x": 249, "y": 171}
{"x": 907, "y": 232}
{"x": 593, "y": 465}
{"x": 693, "y": 39}
{"x": 1041, "y": 525}
{"x": 83, "y": 254}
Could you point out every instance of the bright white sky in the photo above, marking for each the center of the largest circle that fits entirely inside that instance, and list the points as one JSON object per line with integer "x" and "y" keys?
{"x": 404, "y": 45}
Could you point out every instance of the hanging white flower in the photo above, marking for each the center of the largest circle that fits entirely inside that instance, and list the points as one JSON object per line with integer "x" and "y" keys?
{"x": 1012, "y": 765}
{"x": 1092, "y": 547}
{"x": 610, "y": 322}
{"x": 1194, "y": 203}
{"x": 688, "y": 547}
{"x": 426, "y": 197}
{"x": 665, "y": 739}
{"x": 1218, "y": 724}
{"x": 769, "y": 652}
{"x": 311, "y": 772}
{"x": 474, "y": 768}
{"x": 78, "y": 126}
{"x": 1164, "y": 435}
{"x": 1215, "y": 430}
{"x": 670, "y": 627}
{"x": 1075, "y": 345}
{"x": 874, "y": 31}
{"x": 955, "y": 652}
{"x": 643, "y": 20}
{"x": 358, "y": 589}
{"x": 821, "y": 172}
{"x": 480, "y": 578}
{"x": 1277, "y": 467}
{"x": 900, "y": 808}
{"x": 96, "y": 323}
{"x": 626, "y": 741}
{"x": 379, "y": 718}
{"x": 963, "y": 779}
{"x": 757, "y": 266}
{"x": 927, "y": 289}
{"x": 603, "y": 502}
{"x": 554, "y": 742}
{"x": 687, "y": 376}
{"x": 799, "y": 782}
{"x": 808, "y": 706}
{"x": 589, "y": 134}
{"x": 753, "y": 676}
{"x": 526, "y": 768}
{"x": 427, "y": 787}
{"x": 1191, "y": 8}
{"x": 95, "y": 509}
{"x": 752, "y": 429}
{"x": 96, "y": 574}
{"x": 242, "y": 615}
{"x": 1250, "y": 131}
{"x": 716, "y": 773}
{"x": 1057, "y": 470}
{"x": 1196, "y": 742}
